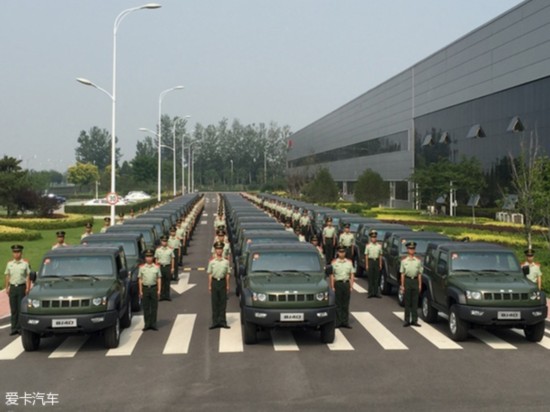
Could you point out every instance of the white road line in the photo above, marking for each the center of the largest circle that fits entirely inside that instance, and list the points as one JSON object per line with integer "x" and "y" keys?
{"x": 203, "y": 222}
{"x": 180, "y": 335}
{"x": 490, "y": 339}
{"x": 545, "y": 342}
{"x": 129, "y": 338}
{"x": 340, "y": 342}
{"x": 231, "y": 339}
{"x": 13, "y": 350}
{"x": 7, "y": 325}
{"x": 383, "y": 336}
{"x": 438, "y": 339}
{"x": 359, "y": 289}
{"x": 205, "y": 214}
{"x": 69, "y": 347}
{"x": 283, "y": 340}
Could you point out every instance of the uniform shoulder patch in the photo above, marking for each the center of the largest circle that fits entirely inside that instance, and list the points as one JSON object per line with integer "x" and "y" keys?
{"x": 157, "y": 265}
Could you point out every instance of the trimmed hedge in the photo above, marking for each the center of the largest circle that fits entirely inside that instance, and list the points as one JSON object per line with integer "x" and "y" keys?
{"x": 9, "y": 234}
{"x": 106, "y": 210}
{"x": 33, "y": 223}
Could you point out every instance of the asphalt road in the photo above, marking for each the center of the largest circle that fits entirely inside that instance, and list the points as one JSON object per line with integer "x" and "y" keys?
{"x": 377, "y": 365}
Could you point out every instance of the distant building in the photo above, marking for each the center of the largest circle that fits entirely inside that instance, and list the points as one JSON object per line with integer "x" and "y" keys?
{"x": 476, "y": 97}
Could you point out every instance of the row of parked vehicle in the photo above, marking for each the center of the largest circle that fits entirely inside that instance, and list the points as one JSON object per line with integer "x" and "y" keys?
{"x": 93, "y": 287}
{"x": 473, "y": 284}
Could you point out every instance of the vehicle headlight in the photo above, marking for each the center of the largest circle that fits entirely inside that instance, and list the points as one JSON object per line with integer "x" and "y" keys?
{"x": 34, "y": 303}
{"x": 259, "y": 296}
{"x": 99, "y": 301}
{"x": 320, "y": 296}
{"x": 535, "y": 295}
{"x": 475, "y": 295}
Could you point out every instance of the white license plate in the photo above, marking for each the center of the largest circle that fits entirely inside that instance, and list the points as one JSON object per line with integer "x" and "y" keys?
{"x": 292, "y": 317}
{"x": 63, "y": 323}
{"x": 508, "y": 315}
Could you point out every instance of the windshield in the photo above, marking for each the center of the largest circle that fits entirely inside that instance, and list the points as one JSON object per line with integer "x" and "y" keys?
{"x": 281, "y": 261}
{"x": 421, "y": 245}
{"x": 263, "y": 240}
{"x": 480, "y": 261}
{"x": 77, "y": 265}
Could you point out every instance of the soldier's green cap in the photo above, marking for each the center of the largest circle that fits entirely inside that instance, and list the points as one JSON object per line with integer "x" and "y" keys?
{"x": 17, "y": 248}
{"x": 347, "y": 225}
{"x": 89, "y": 225}
{"x": 219, "y": 245}
{"x": 149, "y": 252}
{"x": 106, "y": 219}
{"x": 60, "y": 233}
{"x": 410, "y": 245}
{"x": 220, "y": 233}
{"x": 341, "y": 248}
{"x": 164, "y": 238}
{"x": 529, "y": 252}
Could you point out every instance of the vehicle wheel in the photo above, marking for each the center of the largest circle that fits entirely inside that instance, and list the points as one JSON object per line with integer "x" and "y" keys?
{"x": 400, "y": 297}
{"x": 136, "y": 304}
{"x": 250, "y": 335}
{"x": 534, "y": 333}
{"x": 327, "y": 332}
{"x": 457, "y": 327}
{"x": 428, "y": 312}
{"x": 385, "y": 286}
{"x": 31, "y": 340}
{"x": 111, "y": 337}
{"x": 126, "y": 320}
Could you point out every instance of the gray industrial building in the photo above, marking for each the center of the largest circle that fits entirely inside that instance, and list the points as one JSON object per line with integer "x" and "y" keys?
{"x": 479, "y": 96}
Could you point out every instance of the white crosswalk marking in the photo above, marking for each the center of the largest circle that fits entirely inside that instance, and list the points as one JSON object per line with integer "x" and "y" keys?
{"x": 203, "y": 222}
{"x": 12, "y": 350}
{"x": 231, "y": 339}
{"x": 340, "y": 342}
{"x": 385, "y": 338}
{"x": 490, "y": 339}
{"x": 438, "y": 339}
{"x": 69, "y": 347}
{"x": 358, "y": 288}
{"x": 180, "y": 335}
{"x": 128, "y": 338}
{"x": 283, "y": 340}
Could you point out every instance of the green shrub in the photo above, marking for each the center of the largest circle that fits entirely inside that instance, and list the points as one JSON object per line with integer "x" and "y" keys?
{"x": 106, "y": 210}
{"x": 66, "y": 221}
{"x": 24, "y": 236}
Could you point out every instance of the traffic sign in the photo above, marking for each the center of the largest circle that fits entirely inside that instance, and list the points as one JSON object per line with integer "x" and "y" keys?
{"x": 112, "y": 198}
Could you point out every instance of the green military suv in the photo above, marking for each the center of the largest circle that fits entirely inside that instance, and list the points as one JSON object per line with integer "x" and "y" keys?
{"x": 80, "y": 289}
{"x": 283, "y": 286}
{"x": 480, "y": 284}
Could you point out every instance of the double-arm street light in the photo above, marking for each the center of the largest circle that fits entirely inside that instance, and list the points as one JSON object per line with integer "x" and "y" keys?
{"x": 161, "y": 96}
{"x": 112, "y": 95}
{"x": 182, "y": 155}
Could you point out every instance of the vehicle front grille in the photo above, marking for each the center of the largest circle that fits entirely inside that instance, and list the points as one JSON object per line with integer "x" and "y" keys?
{"x": 505, "y": 296}
{"x": 66, "y": 303}
{"x": 291, "y": 297}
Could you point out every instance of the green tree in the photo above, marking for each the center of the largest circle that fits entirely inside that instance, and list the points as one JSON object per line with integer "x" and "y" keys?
{"x": 144, "y": 164}
{"x": 371, "y": 188}
{"x": 12, "y": 181}
{"x": 95, "y": 147}
{"x": 82, "y": 174}
{"x": 322, "y": 188}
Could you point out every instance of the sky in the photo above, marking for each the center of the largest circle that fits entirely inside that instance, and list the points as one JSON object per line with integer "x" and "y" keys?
{"x": 286, "y": 61}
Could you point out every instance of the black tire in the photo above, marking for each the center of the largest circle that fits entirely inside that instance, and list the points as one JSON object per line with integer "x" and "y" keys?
{"x": 126, "y": 319}
{"x": 327, "y": 332}
{"x": 136, "y": 304}
{"x": 111, "y": 337}
{"x": 30, "y": 340}
{"x": 457, "y": 327}
{"x": 535, "y": 333}
{"x": 250, "y": 335}
{"x": 385, "y": 286}
{"x": 428, "y": 312}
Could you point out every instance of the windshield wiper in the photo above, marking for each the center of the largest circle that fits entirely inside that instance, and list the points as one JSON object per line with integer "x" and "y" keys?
{"x": 299, "y": 272}
{"x": 82, "y": 275}
{"x": 270, "y": 272}
{"x": 53, "y": 276}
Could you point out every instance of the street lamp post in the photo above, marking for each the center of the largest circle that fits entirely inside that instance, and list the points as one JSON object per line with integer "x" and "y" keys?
{"x": 161, "y": 96}
{"x": 182, "y": 157}
{"x": 112, "y": 95}
{"x": 231, "y": 161}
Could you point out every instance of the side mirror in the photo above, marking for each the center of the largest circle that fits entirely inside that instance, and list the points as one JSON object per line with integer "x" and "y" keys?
{"x": 32, "y": 276}
{"x": 393, "y": 250}
{"x": 123, "y": 274}
{"x": 242, "y": 271}
{"x": 524, "y": 269}
{"x": 328, "y": 270}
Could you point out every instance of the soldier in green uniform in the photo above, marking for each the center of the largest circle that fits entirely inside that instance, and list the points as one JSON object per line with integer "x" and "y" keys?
{"x": 87, "y": 230}
{"x": 60, "y": 240}
{"x": 373, "y": 264}
{"x": 329, "y": 240}
{"x": 219, "y": 220}
{"x": 180, "y": 233}
{"x": 532, "y": 269}
{"x": 347, "y": 239}
{"x": 305, "y": 225}
{"x": 341, "y": 281}
{"x": 18, "y": 284}
{"x": 411, "y": 284}
{"x": 220, "y": 237}
{"x": 106, "y": 224}
{"x": 175, "y": 243}
{"x": 315, "y": 242}
{"x": 218, "y": 286}
{"x": 164, "y": 257}
{"x": 149, "y": 279}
